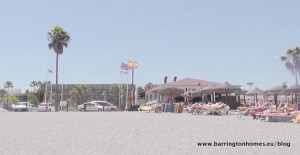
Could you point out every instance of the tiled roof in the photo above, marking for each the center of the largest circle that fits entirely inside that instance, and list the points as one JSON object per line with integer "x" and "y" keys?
{"x": 192, "y": 82}
{"x": 188, "y": 83}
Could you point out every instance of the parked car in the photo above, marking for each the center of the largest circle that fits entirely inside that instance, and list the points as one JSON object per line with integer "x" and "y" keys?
{"x": 22, "y": 106}
{"x": 90, "y": 106}
{"x": 43, "y": 107}
{"x": 7, "y": 106}
{"x": 106, "y": 105}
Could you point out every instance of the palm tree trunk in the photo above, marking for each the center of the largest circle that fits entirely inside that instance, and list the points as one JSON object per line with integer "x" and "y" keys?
{"x": 296, "y": 72}
{"x": 56, "y": 83}
{"x": 7, "y": 97}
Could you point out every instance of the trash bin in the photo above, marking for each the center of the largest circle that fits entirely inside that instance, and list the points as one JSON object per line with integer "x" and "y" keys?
{"x": 84, "y": 107}
{"x": 179, "y": 108}
{"x": 169, "y": 108}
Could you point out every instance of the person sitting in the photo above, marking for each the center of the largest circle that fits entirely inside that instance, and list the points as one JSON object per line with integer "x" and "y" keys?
{"x": 288, "y": 107}
{"x": 242, "y": 104}
{"x": 280, "y": 107}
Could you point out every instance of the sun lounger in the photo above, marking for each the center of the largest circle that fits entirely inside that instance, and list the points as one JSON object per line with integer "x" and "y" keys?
{"x": 224, "y": 111}
{"x": 221, "y": 110}
{"x": 242, "y": 111}
{"x": 146, "y": 108}
{"x": 276, "y": 117}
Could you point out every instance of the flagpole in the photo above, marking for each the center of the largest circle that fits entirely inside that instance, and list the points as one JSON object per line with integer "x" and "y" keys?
{"x": 126, "y": 92}
{"x": 62, "y": 88}
{"x": 51, "y": 88}
{"x": 46, "y": 91}
{"x": 120, "y": 90}
{"x": 51, "y": 93}
{"x": 132, "y": 75}
{"x": 105, "y": 94}
{"x": 62, "y": 92}
{"x": 45, "y": 97}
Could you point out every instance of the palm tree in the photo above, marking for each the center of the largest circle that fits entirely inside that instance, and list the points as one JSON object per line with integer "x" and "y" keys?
{"x": 33, "y": 84}
{"x": 292, "y": 61}
{"x": 8, "y": 84}
{"x": 58, "y": 39}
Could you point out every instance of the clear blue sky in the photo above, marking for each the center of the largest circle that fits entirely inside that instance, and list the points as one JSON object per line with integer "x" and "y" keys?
{"x": 235, "y": 41}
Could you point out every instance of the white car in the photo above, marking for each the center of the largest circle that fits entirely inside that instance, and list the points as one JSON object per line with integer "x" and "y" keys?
{"x": 22, "y": 106}
{"x": 90, "y": 106}
{"x": 43, "y": 107}
{"x": 106, "y": 105}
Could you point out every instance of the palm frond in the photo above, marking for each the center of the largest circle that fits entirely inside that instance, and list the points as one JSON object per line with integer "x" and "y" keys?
{"x": 283, "y": 58}
{"x": 290, "y": 67}
{"x": 58, "y": 39}
{"x": 65, "y": 44}
{"x": 289, "y": 52}
{"x": 50, "y": 46}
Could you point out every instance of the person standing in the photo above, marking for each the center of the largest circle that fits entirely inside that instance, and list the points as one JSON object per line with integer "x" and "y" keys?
{"x": 189, "y": 98}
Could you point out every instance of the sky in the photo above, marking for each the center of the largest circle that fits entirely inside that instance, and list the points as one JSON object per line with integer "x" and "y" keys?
{"x": 237, "y": 41}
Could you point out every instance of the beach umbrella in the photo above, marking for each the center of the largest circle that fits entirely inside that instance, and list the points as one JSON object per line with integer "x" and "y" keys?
{"x": 170, "y": 91}
{"x": 194, "y": 92}
{"x": 227, "y": 88}
{"x": 293, "y": 89}
{"x": 256, "y": 91}
{"x": 244, "y": 91}
{"x": 275, "y": 91}
{"x": 197, "y": 92}
{"x": 187, "y": 93}
{"x": 208, "y": 89}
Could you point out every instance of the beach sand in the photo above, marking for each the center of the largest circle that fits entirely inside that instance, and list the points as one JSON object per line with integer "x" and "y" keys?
{"x": 139, "y": 133}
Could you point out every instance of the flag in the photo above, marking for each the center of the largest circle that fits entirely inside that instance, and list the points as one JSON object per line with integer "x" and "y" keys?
{"x": 124, "y": 68}
{"x": 132, "y": 64}
{"x": 50, "y": 71}
{"x": 124, "y": 71}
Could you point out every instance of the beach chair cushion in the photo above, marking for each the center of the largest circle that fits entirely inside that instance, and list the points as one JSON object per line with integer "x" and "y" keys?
{"x": 297, "y": 120}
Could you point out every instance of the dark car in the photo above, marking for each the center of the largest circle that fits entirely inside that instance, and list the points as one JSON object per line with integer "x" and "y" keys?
{"x": 133, "y": 108}
{"x": 7, "y": 106}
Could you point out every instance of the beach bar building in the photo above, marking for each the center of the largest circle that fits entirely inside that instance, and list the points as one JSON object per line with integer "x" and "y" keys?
{"x": 189, "y": 85}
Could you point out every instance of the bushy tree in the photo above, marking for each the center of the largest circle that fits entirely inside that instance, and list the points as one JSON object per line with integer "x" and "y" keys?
{"x": 79, "y": 94}
{"x": 13, "y": 99}
{"x": 32, "y": 98}
{"x": 149, "y": 86}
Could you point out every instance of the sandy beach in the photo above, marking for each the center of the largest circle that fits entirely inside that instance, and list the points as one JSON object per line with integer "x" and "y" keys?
{"x": 140, "y": 133}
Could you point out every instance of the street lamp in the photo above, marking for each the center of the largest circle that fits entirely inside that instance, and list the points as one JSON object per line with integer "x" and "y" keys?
{"x": 250, "y": 84}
